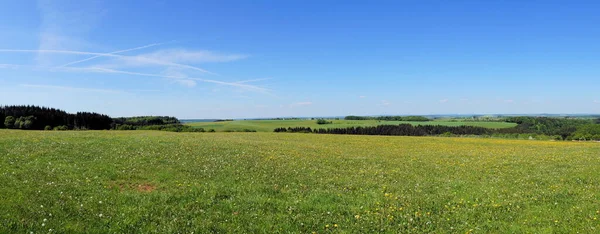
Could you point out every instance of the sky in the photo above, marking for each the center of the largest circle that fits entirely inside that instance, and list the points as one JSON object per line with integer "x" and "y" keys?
{"x": 251, "y": 59}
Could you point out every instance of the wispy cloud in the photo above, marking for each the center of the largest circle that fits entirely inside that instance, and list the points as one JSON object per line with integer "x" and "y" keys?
{"x": 172, "y": 74}
{"x": 362, "y": 96}
{"x": 509, "y": 101}
{"x": 301, "y": 104}
{"x": 443, "y": 100}
{"x": 65, "y": 26}
{"x": 384, "y": 103}
{"x": 9, "y": 66}
{"x": 139, "y": 59}
{"x": 190, "y": 56}
{"x": 181, "y": 78}
{"x": 253, "y": 80}
{"x": 596, "y": 101}
{"x": 69, "y": 88}
{"x": 114, "y": 52}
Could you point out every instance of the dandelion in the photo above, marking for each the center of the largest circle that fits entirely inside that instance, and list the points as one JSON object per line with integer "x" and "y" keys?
{"x": 335, "y": 225}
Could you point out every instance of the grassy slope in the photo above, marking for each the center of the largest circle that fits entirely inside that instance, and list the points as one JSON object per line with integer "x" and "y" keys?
{"x": 269, "y": 125}
{"x": 150, "y": 181}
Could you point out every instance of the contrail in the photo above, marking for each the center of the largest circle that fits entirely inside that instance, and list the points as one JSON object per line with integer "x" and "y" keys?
{"x": 143, "y": 59}
{"x": 114, "y": 52}
{"x": 248, "y": 81}
{"x": 106, "y": 70}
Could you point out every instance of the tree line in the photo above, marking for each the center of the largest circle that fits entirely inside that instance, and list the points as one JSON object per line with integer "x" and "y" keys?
{"x": 44, "y": 118}
{"x": 388, "y": 118}
{"x": 536, "y": 127}
{"x": 395, "y": 130}
{"x": 40, "y": 118}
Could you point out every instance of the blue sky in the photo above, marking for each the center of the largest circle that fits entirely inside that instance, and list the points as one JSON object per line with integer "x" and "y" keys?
{"x": 230, "y": 59}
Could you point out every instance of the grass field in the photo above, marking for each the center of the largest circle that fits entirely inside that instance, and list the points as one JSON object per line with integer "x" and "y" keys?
{"x": 270, "y": 125}
{"x": 162, "y": 182}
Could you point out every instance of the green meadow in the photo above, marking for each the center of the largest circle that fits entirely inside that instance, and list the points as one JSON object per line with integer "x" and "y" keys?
{"x": 164, "y": 182}
{"x": 270, "y": 125}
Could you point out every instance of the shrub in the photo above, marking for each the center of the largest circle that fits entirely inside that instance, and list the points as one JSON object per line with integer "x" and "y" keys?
{"x": 9, "y": 122}
{"x": 323, "y": 121}
{"x": 61, "y": 128}
{"x": 48, "y": 128}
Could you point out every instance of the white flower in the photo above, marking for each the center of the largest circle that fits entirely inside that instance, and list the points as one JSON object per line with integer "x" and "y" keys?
{"x": 100, "y": 202}
{"x": 100, "y": 215}
{"x": 45, "y": 220}
{"x": 43, "y": 224}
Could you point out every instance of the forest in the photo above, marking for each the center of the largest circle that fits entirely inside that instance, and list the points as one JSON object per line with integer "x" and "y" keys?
{"x": 44, "y": 118}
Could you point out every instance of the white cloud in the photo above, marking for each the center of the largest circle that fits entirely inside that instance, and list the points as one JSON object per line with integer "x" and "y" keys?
{"x": 509, "y": 101}
{"x": 443, "y": 100}
{"x": 362, "y": 96}
{"x": 596, "y": 101}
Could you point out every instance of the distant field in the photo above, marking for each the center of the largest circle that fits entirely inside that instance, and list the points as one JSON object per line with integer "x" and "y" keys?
{"x": 163, "y": 182}
{"x": 270, "y": 125}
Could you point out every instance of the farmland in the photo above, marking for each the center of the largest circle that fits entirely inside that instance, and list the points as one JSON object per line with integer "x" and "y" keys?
{"x": 163, "y": 182}
{"x": 270, "y": 125}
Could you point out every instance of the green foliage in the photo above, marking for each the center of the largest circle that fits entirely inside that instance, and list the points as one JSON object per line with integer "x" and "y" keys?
{"x": 145, "y": 120}
{"x": 48, "y": 128}
{"x": 9, "y": 122}
{"x": 61, "y": 128}
{"x": 323, "y": 121}
{"x": 24, "y": 122}
{"x": 587, "y": 132}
